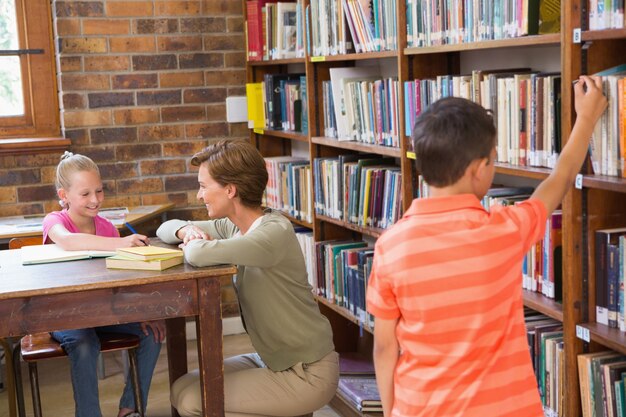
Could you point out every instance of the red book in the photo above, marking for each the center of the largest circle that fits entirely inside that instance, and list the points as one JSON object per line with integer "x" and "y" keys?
{"x": 254, "y": 21}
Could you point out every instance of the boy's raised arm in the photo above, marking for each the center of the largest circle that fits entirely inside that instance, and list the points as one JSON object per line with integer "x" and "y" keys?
{"x": 589, "y": 106}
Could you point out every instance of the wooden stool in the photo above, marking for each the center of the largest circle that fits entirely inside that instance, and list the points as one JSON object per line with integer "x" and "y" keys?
{"x": 40, "y": 346}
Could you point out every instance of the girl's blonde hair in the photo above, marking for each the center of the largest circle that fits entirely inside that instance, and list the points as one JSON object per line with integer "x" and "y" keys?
{"x": 71, "y": 163}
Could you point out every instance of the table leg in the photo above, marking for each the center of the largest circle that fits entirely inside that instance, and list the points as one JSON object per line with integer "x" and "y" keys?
{"x": 210, "y": 352}
{"x": 176, "y": 350}
{"x": 10, "y": 377}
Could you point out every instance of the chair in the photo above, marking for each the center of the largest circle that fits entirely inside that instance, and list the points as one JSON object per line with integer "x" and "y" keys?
{"x": 39, "y": 346}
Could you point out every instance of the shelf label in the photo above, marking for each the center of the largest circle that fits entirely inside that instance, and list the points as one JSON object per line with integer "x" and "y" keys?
{"x": 577, "y": 35}
{"x": 411, "y": 155}
{"x": 578, "y": 183}
{"x": 258, "y": 130}
{"x": 582, "y": 333}
{"x": 318, "y": 58}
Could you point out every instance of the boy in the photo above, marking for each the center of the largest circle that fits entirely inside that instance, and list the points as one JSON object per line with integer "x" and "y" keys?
{"x": 446, "y": 285}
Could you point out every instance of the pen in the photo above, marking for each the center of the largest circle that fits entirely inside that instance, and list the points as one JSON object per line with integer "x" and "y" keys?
{"x": 132, "y": 230}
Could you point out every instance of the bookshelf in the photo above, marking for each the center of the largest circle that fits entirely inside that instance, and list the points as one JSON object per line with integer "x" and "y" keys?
{"x": 599, "y": 202}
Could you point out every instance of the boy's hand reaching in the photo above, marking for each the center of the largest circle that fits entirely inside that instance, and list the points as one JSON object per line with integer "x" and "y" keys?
{"x": 589, "y": 101}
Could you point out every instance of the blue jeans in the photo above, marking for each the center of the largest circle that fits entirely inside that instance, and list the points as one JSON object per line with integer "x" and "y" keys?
{"x": 83, "y": 346}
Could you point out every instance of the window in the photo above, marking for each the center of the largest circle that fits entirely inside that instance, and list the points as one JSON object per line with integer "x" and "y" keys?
{"x": 29, "y": 110}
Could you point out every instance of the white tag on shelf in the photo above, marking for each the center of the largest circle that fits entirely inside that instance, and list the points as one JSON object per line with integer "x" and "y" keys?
{"x": 577, "y": 35}
{"x": 582, "y": 333}
{"x": 578, "y": 183}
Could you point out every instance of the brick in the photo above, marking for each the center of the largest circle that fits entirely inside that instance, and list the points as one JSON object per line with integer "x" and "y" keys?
{"x": 180, "y": 199}
{"x": 122, "y": 200}
{"x": 177, "y": 8}
{"x": 239, "y": 130}
{"x": 181, "y": 182}
{"x": 68, "y": 27}
{"x": 86, "y": 118}
{"x": 206, "y": 130}
{"x": 235, "y": 24}
{"x": 154, "y": 62}
{"x": 204, "y": 95}
{"x": 181, "y": 79}
{"x": 231, "y": 77}
{"x": 132, "y": 44}
{"x": 156, "y": 26}
{"x": 186, "y": 149}
{"x": 83, "y": 82}
{"x": 192, "y": 196}
{"x": 234, "y": 59}
{"x": 135, "y": 81}
{"x": 7, "y": 161}
{"x": 71, "y": 63}
{"x": 107, "y": 63}
{"x": 8, "y": 195}
{"x": 135, "y": 116}
{"x": 225, "y": 7}
{"x": 99, "y": 154}
{"x": 20, "y": 210}
{"x": 106, "y": 26}
{"x": 49, "y": 206}
{"x": 97, "y": 100}
{"x": 183, "y": 113}
{"x": 216, "y": 112}
{"x": 48, "y": 175}
{"x": 179, "y": 43}
{"x": 160, "y": 132}
{"x": 118, "y": 170}
{"x": 113, "y": 135}
{"x": 203, "y": 25}
{"x": 230, "y": 42}
{"x": 129, "y": 8}
{"x": 154, "y": 199}
{"x": 77, "y": 136}
{"x": 134, "y": 152}
{"x": 78, "y": 8}
{"x": 73, "y": 101}
{"x": 236, "y": 91}
{"x": 82, "y": 45}
{"x": 36, "y": 193}
{"x": 37, "y": 160}
{"x": 201, "y": 60}
{"x": 140, "y": 186}
{"x": 161, "y": 167}
{"x": 160, "y": 97}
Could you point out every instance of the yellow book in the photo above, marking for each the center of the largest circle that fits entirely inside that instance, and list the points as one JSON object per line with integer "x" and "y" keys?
{"x": 256, "y": 110}
{"x": 121, "y": 262}
{"x": 148, "y": 253}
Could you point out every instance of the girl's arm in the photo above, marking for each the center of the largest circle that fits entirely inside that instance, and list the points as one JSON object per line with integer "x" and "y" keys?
{"x": 81, "y": 241}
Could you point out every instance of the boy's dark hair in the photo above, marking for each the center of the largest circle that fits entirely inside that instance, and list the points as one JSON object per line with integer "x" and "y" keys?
{"x": 448, "y": 136}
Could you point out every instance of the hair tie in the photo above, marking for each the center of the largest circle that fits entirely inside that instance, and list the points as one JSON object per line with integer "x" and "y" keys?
{"x": 66, "y": 154}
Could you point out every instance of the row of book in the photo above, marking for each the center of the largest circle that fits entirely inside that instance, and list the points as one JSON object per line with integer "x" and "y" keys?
{"x": 274, "y": 29}
{"x": 446, "y": 22}
{"x": 362, "y": 189}
{"x": 289, "y": 186}
{"x": 602, "y": 376}
{"x": 610, "y": 274}
{"x": 608, "y": 144}
{"x": 344, "y": 26}
{"x": 278, "y": 103}
{"x": 606, "y": 14}
{"x": 525, "y": 106}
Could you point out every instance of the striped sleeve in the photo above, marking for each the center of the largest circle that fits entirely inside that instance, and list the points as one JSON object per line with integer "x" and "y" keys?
{"x": 381, "y": 298}
{"x": 530, "y": 217}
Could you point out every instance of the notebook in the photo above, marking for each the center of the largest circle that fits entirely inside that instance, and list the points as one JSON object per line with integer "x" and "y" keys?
{"x": 121, "y": 262}
{"x": 146, "y": 253}
{"x": 43, "y": 254}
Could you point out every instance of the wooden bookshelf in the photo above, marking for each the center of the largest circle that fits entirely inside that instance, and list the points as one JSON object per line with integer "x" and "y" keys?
{"x": 609, "y": 337}
{"x": 368, "y": 231}
{"x": 273, "y": 62}
{"x": 536, "y": 173}
{"x": 543, "y": 304}
{"x": 552, "y": 39}
{"x": 343, "y": 312}
{"x": 595, "y": 35}
{"x": 285, "y": 134}
{"x": 603, "y": 182}
{"x": 358, "y": 146}
{"x": 355, "y": 57}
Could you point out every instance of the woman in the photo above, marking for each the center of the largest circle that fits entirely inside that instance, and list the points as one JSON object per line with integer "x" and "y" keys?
{"x": 295, "y": 370}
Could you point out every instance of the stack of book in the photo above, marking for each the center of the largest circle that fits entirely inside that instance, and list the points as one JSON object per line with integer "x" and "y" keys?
{"x": 357, "y": 383}
{"x": 153, "y": 258}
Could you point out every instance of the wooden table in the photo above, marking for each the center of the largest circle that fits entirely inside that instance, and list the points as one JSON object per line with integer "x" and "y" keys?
{"x": 26, "y": 226}
{"x": 80, "y": 294}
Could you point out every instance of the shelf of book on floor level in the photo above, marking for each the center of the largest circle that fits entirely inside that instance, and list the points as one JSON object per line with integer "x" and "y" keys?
{"x": 344, "y": 312}
{"x": 286, "y": 134}
{"x": 355, "y": 56}
{"x": 611, "y": 338}
{"x": 369, "y": 231}
{"x": 592, "y": 35}
{"x": 523, "y": 171}
{"x": 276, "y": 62}
{"x": 603, "y": 182}
{"x": 543, "y": 304}
{"x": 357, "y": 146}
{"x": 553, "y": 38}
{"x": 345, "y": 409}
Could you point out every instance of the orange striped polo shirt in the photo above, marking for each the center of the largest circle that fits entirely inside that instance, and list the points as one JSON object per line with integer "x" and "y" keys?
{"x": 450, "y": 272}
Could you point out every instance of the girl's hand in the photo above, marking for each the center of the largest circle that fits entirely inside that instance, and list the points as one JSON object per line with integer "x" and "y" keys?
{"x": 135, "y": 240}
{"x": 158, "y": 329}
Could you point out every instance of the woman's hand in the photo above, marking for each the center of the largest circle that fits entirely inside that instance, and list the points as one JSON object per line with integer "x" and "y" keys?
{"x": 158, "y": 329}
{"x": 191, "y": 232}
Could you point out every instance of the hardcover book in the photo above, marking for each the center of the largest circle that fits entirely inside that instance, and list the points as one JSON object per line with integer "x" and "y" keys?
{"x": 121, "y": 262}
{"x": 148, "y": 253}
{"x": 43, "y": 254}
{"x": 362, "y": 392}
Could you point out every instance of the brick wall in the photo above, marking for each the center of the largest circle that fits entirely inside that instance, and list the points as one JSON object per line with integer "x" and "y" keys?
{"x": 142, "y": 86}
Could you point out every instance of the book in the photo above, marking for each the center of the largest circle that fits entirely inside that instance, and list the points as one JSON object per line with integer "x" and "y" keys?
{"x": 122, "y": 262}
{"x": 354, "y": 364}
{"x": 362, "y": 392}
{"x": 43, "y": 254}
{"x": 148, "y": 253}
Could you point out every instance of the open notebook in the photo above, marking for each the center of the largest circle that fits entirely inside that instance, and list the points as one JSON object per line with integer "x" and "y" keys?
{"x": 42, "y": 254}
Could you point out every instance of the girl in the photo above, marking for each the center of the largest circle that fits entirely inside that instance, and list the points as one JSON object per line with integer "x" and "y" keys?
{"x": 295, "y": 370}
{"x": 78, "y": 226}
